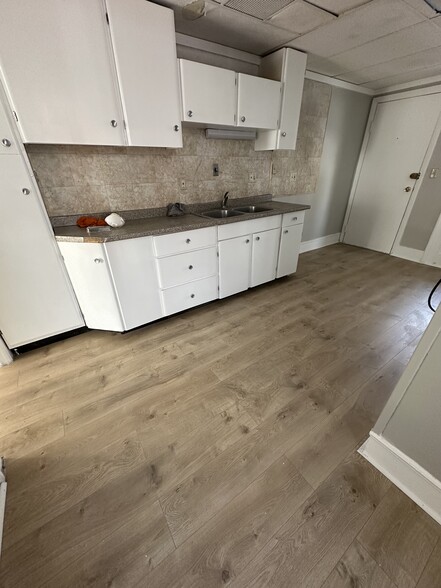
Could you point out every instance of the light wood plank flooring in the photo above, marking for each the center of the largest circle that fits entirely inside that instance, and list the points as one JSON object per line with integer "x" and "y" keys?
{"x": 218, "y": 447}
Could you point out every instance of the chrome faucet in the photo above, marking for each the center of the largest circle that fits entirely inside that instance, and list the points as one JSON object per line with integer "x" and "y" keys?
{"x": 225, "y": 200}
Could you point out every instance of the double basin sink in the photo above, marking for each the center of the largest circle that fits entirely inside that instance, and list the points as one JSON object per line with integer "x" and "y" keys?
{"x": 228, "y": 212}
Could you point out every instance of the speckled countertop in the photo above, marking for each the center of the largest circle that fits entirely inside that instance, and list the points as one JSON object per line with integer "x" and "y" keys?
{"x": 161, "y": 225}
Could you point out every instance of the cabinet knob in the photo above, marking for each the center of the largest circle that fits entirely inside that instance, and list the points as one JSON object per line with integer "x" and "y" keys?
{"x": 188, "y": 240}
{"x": 294, "y": 218}
{"x": 176, "y": 127}
{"x": 26, "y": 191}
{"x": 190, "y": 113}
{"x": 243, "y": 119}
{"x": 113, "y": 123}
{"x": 284, "y": 134}
{"x": 407, "y": 189}
{"x": 98, "y": 260}
{"x": 247, "y": 241}
{"x": 192, "y": 296}
{"x": 285, "y": 231}
{"x": 6, "y": 142}
{"x": 190, "y": 267}
{"x": 257, "y": 238}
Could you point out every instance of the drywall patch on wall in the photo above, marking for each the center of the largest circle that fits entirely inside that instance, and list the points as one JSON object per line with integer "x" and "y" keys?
{"x": 79, "y": 179}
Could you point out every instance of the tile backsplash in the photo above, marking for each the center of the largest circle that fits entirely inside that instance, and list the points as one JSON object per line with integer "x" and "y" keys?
{"x": 80, "y": 179}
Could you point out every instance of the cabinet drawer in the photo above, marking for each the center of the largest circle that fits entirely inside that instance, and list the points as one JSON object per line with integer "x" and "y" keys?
{"x": 246, "y": 227}
{"x": 187, "y": 267}
{"x": 185, "y": 241}
{"x": 293, "y": 218}
{"x": 188, "y": 295}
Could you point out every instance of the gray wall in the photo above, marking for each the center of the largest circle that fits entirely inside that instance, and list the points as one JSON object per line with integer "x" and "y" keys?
{"x": 348, "y": 114}
{"x": 427, "y": 207}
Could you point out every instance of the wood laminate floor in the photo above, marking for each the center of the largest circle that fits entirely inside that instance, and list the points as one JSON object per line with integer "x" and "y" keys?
{"x": 218, "y": 447}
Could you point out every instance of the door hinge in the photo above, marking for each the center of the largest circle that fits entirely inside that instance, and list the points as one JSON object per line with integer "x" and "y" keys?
{"x": 107, "y": 18}
{"x": 15, "y": 115}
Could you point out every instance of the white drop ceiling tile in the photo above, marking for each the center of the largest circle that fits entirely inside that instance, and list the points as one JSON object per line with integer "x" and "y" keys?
{"x": 359, "y": 26}
{"x": 422, "y": 7}
{"x": 301, "y": 17}
{"x": 436, "y": 20}
{"x": 339, "y": 6}
{"x": 429, "y": 58}
{"x": 322, "y": 65}
{"x": 419, "y": 37}
{"x": 233, "y": 29}
{"x": 418, "y": 74}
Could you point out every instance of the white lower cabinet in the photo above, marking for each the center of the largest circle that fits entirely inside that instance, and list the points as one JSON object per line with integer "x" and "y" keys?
{"x": 264, "y": 257}
{"x": 187, "y": 295}
{"x": 234, "y": 265}
{"x": 290, "y": 240}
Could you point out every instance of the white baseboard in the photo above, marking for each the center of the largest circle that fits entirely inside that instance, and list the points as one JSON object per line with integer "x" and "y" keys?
{"x": 408, "y": 253}
{"x": 320, "y": 242}
{"x": 405, "y": 473}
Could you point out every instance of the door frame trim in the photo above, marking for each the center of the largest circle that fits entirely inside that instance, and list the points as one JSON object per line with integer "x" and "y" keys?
{"x": 375, "y": 102}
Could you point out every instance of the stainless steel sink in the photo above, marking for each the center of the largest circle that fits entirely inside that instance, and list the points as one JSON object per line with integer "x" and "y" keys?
{"x": 221, "y": 213}
{"x": 253, "y": 209}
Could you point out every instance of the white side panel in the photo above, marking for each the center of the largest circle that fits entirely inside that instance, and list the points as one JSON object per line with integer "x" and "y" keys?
{"x": 35, "y": 298}
{"x": 135, "y": 279}
{"x": 208, "y": 93}
{"x": 55, "y": 56}
{"x": 234, "y": 265}
{"x": 187, "y": 267}
{"x": 144, "y": 42}
{"x": 258, "y": 102}
{"x": 90, "y": 274}
{"x": 264, "y": 256}
{"x": 289, "y": 250}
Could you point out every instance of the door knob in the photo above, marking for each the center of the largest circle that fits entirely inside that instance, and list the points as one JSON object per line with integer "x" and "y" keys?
{"x": 407, "y": 189}
{"x": 415, "y": 176}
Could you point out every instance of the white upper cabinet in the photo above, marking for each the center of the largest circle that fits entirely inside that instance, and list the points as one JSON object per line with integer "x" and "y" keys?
{"x": 55, "y": 57}
{"x": 144, "y": 44}
{"x": 288, "y": 66}
{"x": 258, "y": 102}
{"x": 208, "y": 94}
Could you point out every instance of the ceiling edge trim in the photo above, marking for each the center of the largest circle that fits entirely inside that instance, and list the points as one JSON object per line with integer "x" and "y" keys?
{"x": 216, "y": 48}
{"x": 311, "y": 75}
{"x": 431, "y": 81}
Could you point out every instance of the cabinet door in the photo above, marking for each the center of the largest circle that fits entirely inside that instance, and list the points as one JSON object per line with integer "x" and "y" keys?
{"x": 264, "y": 258}
{"x": 234, "y": 265}
{"x": 58, "y": 69}
{"x": 294, "y": 76}
{"x": 8, "y": 145}
{"x": 36, "y": 299}
{"x": 289, "y": 250}
{"x": 208, "y": 93}
{"x": 258, "y": 102}
{"x": 144, "y": 43}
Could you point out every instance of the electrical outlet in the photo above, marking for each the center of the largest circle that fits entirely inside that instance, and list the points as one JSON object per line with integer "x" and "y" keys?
{"x": 183, "y": 184}
{"x": 252, "y": 177}
{"x": 292, "y": 176}
{"x": 215, "y": 169}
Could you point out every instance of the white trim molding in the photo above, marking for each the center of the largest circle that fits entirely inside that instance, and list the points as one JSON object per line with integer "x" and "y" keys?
{"x": 320, "y": 242}
{"x": 406, "y": 474}
{"x": 312, "y": 75}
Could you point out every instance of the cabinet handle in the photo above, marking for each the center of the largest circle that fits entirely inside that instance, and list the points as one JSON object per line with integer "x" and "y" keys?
{"x": 190, "y": 113}
{"x": 98, "y": 260}
{"x": 192, "y": 296}
{"x": 176, "y": 127}
{"x": 283, "y": 134}
{"x": 243, "y": 119}
{"x": 257, "y": 238}
{"x": 247, "y": 241}
{"x": 26, "y": 191}
{"x": 188, "y": 240}
{"x": 294, "y": 218}
{"x": 6, "y": 142}
{"x": 286, "y": 231}
{"x": 190, "y": 267}
{"x": 113, "y": 123}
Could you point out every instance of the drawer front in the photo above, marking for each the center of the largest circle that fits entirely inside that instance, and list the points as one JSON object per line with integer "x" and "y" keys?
{"x": 189, "y": 295}
{"x": 184, "y": 241}
{"x": 247, "y": 227}
{"x": 187, "y": 267}
{"x": 293, "y": 218}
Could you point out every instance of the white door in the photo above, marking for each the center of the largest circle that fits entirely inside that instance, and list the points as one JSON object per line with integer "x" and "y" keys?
{"x": 208, "y": 93}
{"x": 234, "y": 265}
{"x": 289, "y": 250}
{"x": 398, "y": 140}
{"x": 57, "y": 64}
{"x": 264, "y": 256}
{"x": 144, "y": 43}
{"x": 258, "y": 102}
{"x": 8, "y": 145}
{"x": 36, "y": 300}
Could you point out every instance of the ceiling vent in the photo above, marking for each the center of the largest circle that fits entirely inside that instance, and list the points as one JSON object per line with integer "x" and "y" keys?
{"x": 261, "y": 9}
